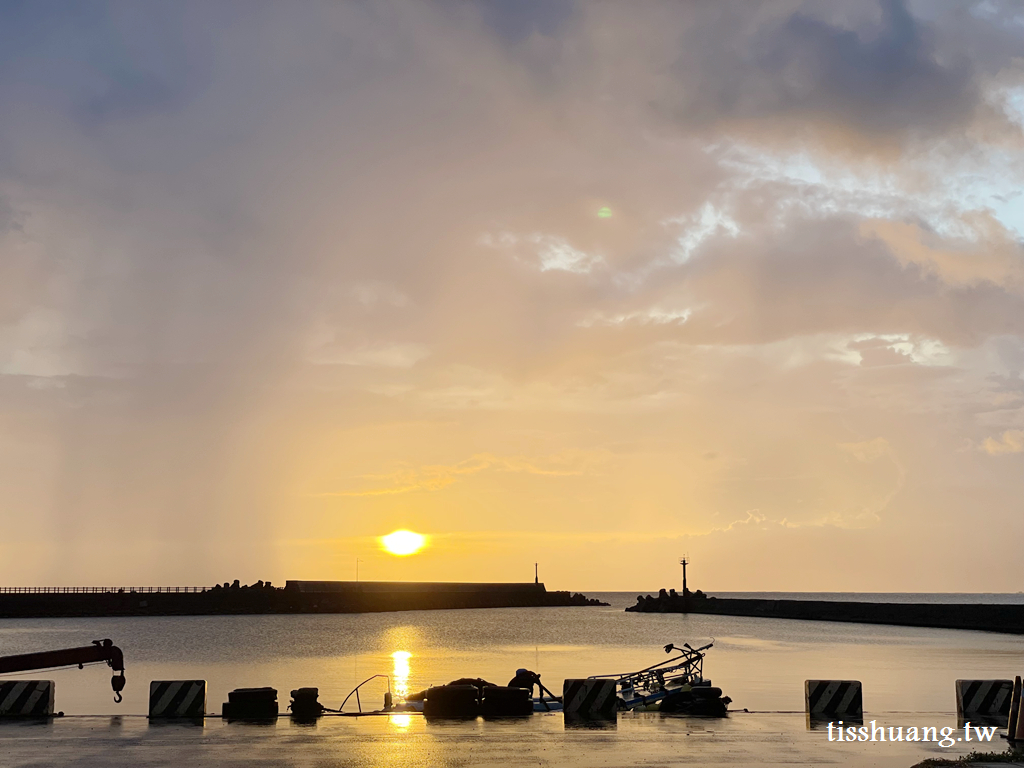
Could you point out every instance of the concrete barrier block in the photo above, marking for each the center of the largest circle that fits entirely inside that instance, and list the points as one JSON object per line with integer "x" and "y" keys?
{"x": 1011, "y": 724}
{"x": 26, "y": 698}
{"x": 830, "y": 699}
{"x": 590, "y": 698}
{"x": 177, "y": 698}
{"x": 983, "y": 701}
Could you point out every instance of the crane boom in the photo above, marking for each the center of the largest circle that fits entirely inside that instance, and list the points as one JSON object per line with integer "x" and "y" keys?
{"x": 100, "y": 650}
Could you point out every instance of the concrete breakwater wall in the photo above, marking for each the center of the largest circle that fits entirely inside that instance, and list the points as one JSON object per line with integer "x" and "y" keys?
{"x": 989, "y": 618}
{"x": 295, "y": 597}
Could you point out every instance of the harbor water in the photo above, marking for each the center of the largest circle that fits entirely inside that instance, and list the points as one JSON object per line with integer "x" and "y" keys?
{"x": 908, "y": 676}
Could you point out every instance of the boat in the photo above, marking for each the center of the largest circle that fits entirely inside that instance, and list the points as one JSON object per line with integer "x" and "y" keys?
{"x": 676, "y": 685}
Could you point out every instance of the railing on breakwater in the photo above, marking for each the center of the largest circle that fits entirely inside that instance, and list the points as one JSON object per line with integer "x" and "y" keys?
{"x": 95, "y": 590}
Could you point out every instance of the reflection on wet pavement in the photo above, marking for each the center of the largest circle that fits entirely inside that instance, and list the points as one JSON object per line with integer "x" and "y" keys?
{"x": 408, "y": 740}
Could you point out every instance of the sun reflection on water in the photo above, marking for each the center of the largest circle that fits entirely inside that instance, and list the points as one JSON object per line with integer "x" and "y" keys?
{"x": 400, "y": 674}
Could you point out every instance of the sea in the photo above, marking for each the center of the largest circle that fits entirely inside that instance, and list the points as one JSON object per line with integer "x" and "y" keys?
{"x": 908, "y": 676}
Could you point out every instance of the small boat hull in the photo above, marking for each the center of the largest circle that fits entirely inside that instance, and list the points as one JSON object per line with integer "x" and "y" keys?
{"x": 544, "y": 704}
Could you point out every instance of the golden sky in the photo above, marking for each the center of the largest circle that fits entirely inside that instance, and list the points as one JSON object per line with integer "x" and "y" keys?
{"x": 585, "y": 284}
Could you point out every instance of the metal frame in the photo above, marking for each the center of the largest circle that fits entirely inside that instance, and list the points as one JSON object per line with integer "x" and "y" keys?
{"x": 653, "y": 683}
{"x": 356, "y": 692}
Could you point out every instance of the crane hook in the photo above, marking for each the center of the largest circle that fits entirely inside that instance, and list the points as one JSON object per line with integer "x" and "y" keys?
{"x": 117, "y": 683}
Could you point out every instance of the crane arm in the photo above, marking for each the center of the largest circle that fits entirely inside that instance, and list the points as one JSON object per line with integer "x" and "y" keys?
{"x": 100, "y": 650}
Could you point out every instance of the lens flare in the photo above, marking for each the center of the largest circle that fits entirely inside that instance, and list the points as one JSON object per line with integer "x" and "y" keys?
{"x": 604, "y": 213}
{"x": 403, "y": 542}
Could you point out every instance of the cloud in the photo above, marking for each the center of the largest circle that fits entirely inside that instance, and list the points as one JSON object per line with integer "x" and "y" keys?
{"x": 372, "y": 293}
{"x": 803, "y": 274}
{"x": 868, "y": 77}
{"x": 868, "y": 450}
{"x": 435, "y": 478}
{"x": 1011, "y": 441}
{"x": 700, "y": 228}
{"x": 884, "y": 77}
{"x": 993, "y": 257}
{"x": 380, "y": 355}
{"x": 894, "y": 349}
{"x": 655, "y": 315}
{"x": 552, "y": 253}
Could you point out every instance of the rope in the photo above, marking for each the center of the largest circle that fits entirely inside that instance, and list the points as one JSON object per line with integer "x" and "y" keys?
{"x": 66, "y": 666}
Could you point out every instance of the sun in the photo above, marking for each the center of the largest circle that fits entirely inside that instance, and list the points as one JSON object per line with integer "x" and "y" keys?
{"x": 403, "y": 542}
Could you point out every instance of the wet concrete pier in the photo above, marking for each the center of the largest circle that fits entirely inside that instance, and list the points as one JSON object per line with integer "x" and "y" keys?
{"x": 743, "y": 739}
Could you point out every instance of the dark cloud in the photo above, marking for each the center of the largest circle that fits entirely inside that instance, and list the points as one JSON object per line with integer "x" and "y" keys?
{"x": 869, "y": 75}
{"x": 886, "y": 77}
{"x": 9, "y": 217}
{"x": 516, "y": 20}
{"x": 105, "y": 61}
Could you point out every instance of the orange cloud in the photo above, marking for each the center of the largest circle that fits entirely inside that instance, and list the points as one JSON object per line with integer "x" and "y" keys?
{"x": 1011, "y": 441}
{"x": 437, "y": 477}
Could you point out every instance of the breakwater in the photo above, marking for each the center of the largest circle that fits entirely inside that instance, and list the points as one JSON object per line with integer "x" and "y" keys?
{"x": 263, "y": 598}
{"x": 988, "y": 618}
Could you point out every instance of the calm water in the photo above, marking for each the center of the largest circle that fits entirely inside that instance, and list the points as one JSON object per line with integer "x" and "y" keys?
{"x": 760, "y": 663}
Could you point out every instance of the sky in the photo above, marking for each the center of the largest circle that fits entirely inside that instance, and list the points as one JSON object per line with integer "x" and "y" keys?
{"x": 593, "y": 285}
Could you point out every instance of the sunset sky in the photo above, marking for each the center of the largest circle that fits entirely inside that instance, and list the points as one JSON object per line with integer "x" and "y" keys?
{"x": 585, "y": 284}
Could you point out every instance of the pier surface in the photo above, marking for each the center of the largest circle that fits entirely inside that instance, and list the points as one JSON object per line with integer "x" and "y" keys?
{"x": 989, "y": 618}
{"x": 647, "y": 739}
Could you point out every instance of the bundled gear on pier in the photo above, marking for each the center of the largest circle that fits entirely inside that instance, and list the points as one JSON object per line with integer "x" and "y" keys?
{"x": 470, "y": 697}
{"x": 306, "y": 704}
{"x": 675, "y": 686}
{"x": 524, "y": 679}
